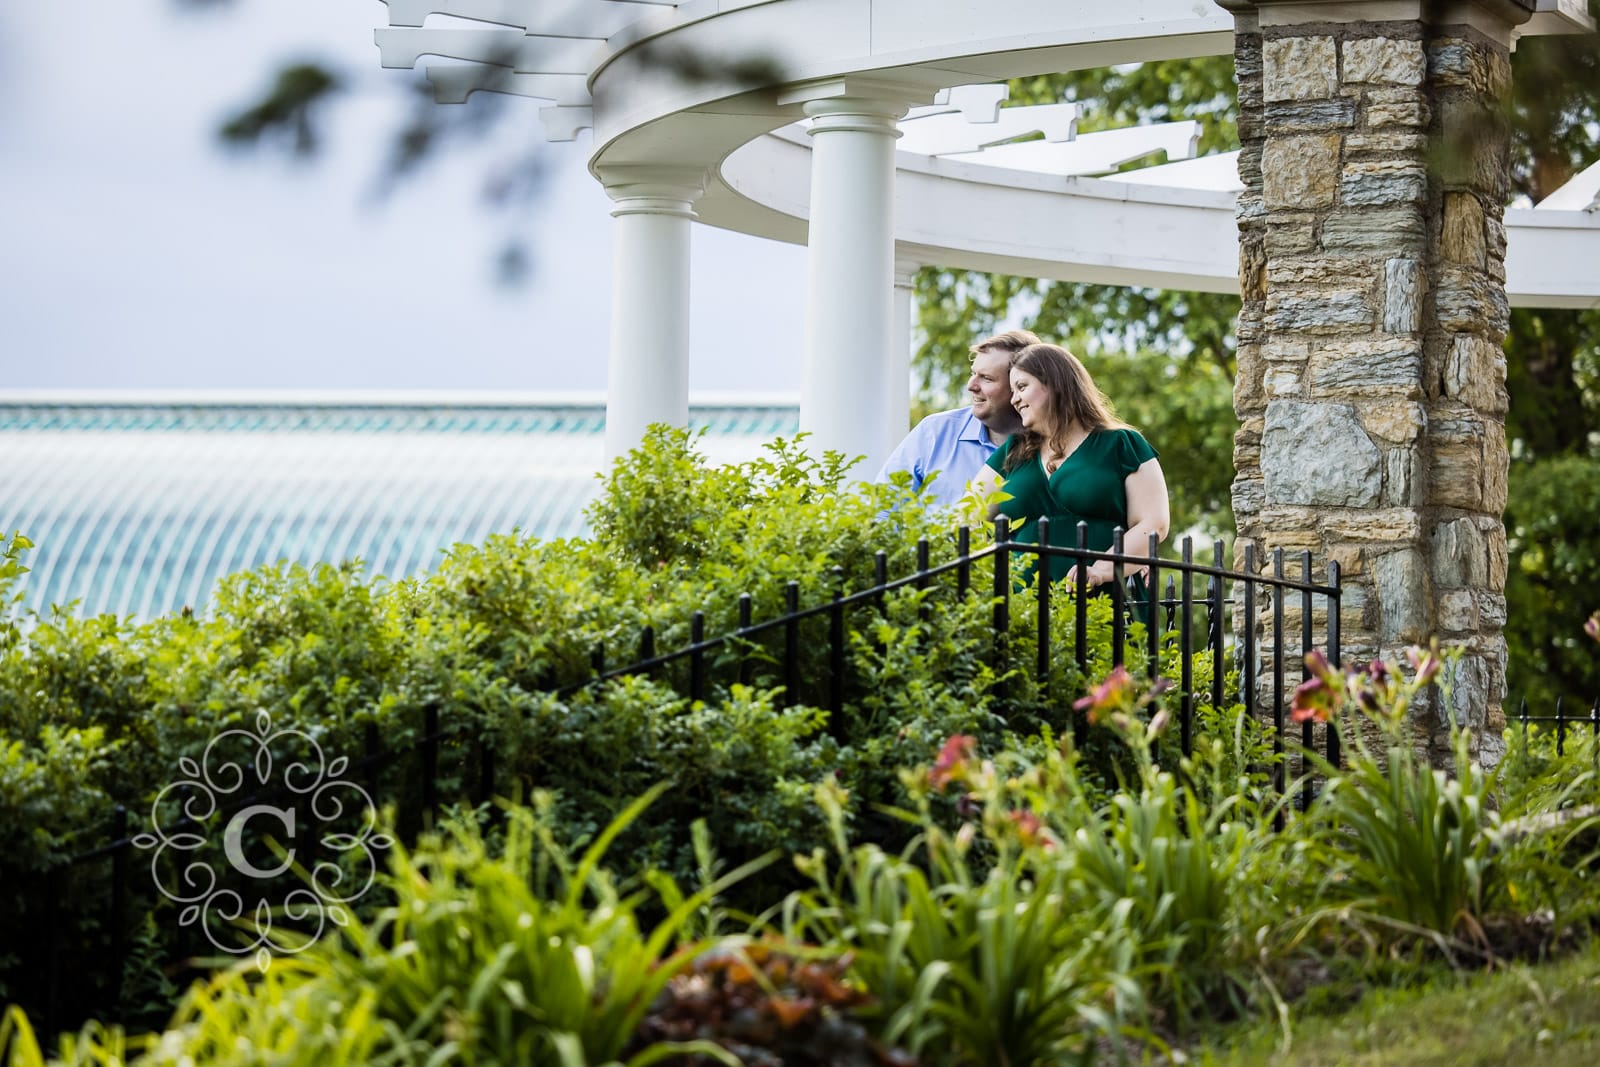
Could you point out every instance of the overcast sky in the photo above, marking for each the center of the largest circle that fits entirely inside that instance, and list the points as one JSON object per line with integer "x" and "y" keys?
{"x": 136, "y": 253}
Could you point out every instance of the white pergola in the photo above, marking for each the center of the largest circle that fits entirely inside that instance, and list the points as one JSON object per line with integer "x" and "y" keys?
{"x": 883, "y": 148}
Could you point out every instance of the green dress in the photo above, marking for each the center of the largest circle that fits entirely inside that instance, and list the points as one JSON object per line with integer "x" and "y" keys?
{"x": 1089, "y": 486}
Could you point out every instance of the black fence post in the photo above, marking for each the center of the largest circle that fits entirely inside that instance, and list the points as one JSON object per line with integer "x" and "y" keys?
{"x": 1080, "y": 625}
{"x": 924, "y": 610}
{"x": 1119, "y": 621}
{"x": 1152, "y": 593}
{"x": 791, "y": 644}
{"x": 1186, "y": 645}
{"x": 119, "y": 899}
{"x": 430, "y": 762}
{"x": 746, "y": 613}
{"x": 964, "y": 558}
{"x": 1002, "y": 608}
{"x": 1216, "y": 609}
{"x": 1042, "y": 585}
{"x": 836, "y": 654}
{"x": 371, "y": 750}
{"x": 1279, "y": 775}
{"x": 1307, "y": 736}
{"x": 880, "y": 578}
{"x": 1335, "y": 653}
{"x": 697, "y": 656}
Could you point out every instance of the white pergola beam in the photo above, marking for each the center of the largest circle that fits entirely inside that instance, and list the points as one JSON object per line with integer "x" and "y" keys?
{"x": 453, "y": 84}
{"x": 1582, "y": 193}
{"x": 1094, "y": 153}
{"x": 401, "y": 48}
{"x": 935, "y": 135}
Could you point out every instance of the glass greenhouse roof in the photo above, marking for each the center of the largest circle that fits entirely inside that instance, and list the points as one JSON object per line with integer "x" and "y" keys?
{"x": 136, "y": 508}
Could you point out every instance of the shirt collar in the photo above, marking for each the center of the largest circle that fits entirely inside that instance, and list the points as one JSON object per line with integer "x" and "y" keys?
{"x": 973, "y": 430}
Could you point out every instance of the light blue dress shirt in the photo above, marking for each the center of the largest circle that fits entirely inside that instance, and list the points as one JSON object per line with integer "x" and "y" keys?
{"x": 953, "y": 443}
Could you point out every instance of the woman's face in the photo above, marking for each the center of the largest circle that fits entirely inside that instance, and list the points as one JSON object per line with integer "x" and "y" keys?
{"x": 1032, "y": 400}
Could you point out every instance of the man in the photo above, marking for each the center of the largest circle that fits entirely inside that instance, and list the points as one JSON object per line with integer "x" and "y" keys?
{"x": 956, "y": 444}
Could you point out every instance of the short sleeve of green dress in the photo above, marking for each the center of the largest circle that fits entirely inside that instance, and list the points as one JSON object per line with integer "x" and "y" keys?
{"x": 1088, "y": 487}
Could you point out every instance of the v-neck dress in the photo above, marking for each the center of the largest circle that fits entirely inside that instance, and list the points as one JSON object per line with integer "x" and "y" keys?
{"x": 1089, "y": 486}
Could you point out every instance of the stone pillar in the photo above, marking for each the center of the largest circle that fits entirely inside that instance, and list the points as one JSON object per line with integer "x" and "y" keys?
{"x": 1371, "y": 386}
{"x": 897, "y": 394}
{"x": 850, "y": 335}
{"x": 647, "y": 379}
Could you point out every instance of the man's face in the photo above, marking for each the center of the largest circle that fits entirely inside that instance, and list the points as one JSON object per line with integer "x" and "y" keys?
{"x": 990, "y": 386}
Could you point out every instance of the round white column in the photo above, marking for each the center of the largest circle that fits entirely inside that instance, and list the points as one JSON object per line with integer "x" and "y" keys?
{"x": 897, "y": 393}
{"x": 850, "y": 336}
{"x": 647, "y": 379}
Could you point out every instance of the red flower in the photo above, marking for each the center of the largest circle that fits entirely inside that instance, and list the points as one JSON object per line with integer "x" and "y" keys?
{"x": 1314, "y": 699}
{"x": 952, "y": 761}
{"x": 1029, "y": 829}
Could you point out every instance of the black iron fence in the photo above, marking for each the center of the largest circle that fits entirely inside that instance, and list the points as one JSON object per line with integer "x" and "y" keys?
{"x": 1194, "y": 615}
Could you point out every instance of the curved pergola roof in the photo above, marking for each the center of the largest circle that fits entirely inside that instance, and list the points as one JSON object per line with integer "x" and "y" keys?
{"x": 138, "y": 506}
{"x": 1026, "y": 209}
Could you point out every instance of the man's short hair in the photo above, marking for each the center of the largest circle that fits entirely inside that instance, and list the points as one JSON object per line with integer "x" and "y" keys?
{"x": 1011, "y": 342}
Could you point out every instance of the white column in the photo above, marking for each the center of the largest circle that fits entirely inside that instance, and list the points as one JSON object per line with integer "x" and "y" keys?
{"x": 897, "y": 395}
{"x": 850, "y": 336}
{"x": 647, "y": 379}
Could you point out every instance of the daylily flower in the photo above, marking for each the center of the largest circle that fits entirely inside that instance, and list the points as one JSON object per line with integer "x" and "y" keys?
{"x": 1425, "y": 662}
{"x": 1115, "y": 692}
{"x": 1030, "y": 830}
{"x": 1316, "y": 698}
{"x": 952, "y": 761}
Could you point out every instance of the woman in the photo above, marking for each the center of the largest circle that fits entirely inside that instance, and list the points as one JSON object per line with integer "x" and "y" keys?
{"x": 1074, "y": 461}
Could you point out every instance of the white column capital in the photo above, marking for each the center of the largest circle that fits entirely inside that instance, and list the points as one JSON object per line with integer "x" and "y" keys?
{"x": 653, "y": 190}
{"x": 870, "y": 105}
{"x": 905, "y": 274}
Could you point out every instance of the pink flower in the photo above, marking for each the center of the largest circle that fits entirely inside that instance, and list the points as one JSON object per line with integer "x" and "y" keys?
{"x": 952, "y": 761}
{"x": 1115, "y": 692}
{"x": 1592, "y": 627}
{"x": 1426, "y": 663}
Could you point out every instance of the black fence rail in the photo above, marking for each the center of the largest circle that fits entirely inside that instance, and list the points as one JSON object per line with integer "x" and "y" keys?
{"x": 1561, "y": 722}
{"x": 1196, "y": 615}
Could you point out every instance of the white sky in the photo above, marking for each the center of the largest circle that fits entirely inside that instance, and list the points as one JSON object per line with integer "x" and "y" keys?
{"x": 136, "y": 253}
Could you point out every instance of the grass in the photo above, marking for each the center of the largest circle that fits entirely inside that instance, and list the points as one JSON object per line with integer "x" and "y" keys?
{"x": 1546, "y": 1015}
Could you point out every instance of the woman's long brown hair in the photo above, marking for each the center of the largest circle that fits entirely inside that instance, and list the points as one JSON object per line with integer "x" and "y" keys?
{"x": 1074, "y": 399}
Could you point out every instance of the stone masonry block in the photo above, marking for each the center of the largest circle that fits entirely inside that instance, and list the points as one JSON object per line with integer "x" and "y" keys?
{"x": 1373, "y": 231}
{"x": 1460, "y": 554}
{"x": 1385, "y": 526}
{"x": 1405, "y": 108}
{"x": 1317, "y": 454}
{"x": 1298, "y": 173}
{"x": 1403, "y": 286}
{"x": 1310, "y": 116}
{"x": 1464, "y": 238}
{"x": 1475, "y": 373}
{"x": 1359, "y": 368}
{"x": 1325, "y": 312}
{"x": 1400, "y": 423}
{"x": 1299, "y": 68}
{"x": 1383, "y": 60}
{"x": 1400, "y": 580}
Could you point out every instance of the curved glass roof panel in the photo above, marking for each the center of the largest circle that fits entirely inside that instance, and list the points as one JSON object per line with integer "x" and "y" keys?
{"x": 136, "y": 508}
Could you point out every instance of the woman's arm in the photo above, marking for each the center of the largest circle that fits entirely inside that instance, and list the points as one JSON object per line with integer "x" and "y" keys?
{"x": 1148, "y": 513}
{"x": 984, "y": 485}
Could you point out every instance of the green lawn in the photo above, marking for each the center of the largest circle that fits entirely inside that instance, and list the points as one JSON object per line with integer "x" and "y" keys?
{"x": 1529, "y": 1016}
